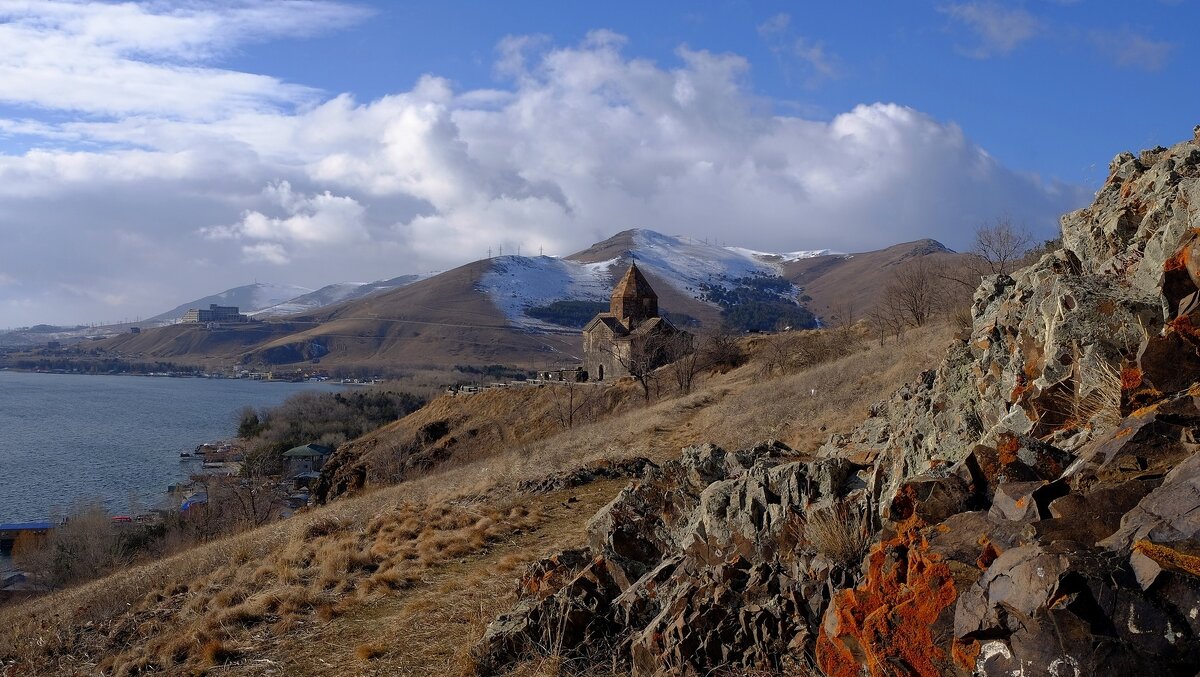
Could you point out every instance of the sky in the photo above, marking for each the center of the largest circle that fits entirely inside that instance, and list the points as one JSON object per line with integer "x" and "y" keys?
{"x": 155, "y": 152}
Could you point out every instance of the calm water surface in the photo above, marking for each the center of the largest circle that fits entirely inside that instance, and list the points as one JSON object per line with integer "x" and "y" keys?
{"x": 66, "y": 438}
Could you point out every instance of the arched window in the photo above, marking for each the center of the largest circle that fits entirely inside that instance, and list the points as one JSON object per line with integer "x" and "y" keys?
{"x": 600, "y": 373}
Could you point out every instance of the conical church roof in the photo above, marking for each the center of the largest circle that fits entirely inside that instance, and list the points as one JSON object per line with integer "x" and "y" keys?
{"x": 633, "y": 285}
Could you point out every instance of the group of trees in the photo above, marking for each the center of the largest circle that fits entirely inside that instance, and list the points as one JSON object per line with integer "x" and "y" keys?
{"x": 86, "y": 543}
{"x": 921, "y": 289}
{"x": 324, "y": 418}
{"x": 758, "y": 303}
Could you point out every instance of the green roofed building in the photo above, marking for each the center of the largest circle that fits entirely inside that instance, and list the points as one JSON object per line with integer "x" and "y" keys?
{"x": 306, "y": 458}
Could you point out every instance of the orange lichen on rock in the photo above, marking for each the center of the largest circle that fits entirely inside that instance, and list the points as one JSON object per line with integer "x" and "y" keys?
{"x": 1007, "y": 449}
{"x": 1169, "y": 558}
{"x": 889, "y": 620}
{"x": 966, "y": 653}
{"x": 1183, "y": 326}
{"x": 990, "y": 552}
{"x": 1131, "y": 377}
{"x": 1178, "y": 261}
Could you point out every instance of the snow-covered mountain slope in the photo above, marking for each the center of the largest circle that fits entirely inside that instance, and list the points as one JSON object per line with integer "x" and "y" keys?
{"x": 515, "y": 283}
{"x": 248, "y": 298}
{"x": 334, "y": 293}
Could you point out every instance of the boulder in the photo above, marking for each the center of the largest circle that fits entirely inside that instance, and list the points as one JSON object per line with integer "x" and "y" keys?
{"x": 600, "y": 470}
{"x": 1169, "y": 513}
{"x": 1146, "y": 444}
{"x": 1067, "y": 605}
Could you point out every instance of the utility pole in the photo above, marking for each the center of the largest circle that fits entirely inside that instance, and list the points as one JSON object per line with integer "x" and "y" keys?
{"x": 501, "y": 250}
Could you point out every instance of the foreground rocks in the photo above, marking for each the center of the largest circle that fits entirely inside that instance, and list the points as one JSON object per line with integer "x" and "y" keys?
{"x": 1031, "y": 507}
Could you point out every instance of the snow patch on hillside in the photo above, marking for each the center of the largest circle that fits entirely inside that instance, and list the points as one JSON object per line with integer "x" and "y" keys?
{"x": 337, "y": 293}
{"x": 785, "y": 257}
{"x": 517, "y": 283}
{"x": 686, "y": 263}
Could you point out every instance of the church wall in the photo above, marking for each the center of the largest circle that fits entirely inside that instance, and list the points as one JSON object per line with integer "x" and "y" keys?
{"x": 600, "y": 348}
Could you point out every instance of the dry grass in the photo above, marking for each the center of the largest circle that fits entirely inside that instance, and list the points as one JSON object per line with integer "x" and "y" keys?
{"x": 1100, "y": 404}
{"x": 419, "y": 569}
{"x": 840, "y": 532}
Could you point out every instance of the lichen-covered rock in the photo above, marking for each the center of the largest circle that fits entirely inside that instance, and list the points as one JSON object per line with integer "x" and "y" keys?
{"x": 1147, "y": 443}
{"x": 1169, "y": 513}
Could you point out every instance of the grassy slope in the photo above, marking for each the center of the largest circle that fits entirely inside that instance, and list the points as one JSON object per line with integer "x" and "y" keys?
{"x": 403, "y": 579}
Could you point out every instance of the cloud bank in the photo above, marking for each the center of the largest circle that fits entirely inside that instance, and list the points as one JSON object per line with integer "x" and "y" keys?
{"x": 140, "y": 173}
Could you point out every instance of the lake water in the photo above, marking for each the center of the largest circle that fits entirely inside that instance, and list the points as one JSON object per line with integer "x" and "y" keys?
{"x": 66, "y": 438}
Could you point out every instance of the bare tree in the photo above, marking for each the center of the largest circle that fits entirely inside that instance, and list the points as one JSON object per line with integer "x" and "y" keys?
{"x": 231, "y": 505}
{"x": 782, "y": 351}
{"x": 573, "y": 402}
{"x": 722, "y": 348}
{"x": 913, "y": 293}
{"x": 684, "y": 362}
{"x": 1000, "y": 245}
{"x": 83, "y": 546}
{"x": 841, "y": 315}
{"x": 641, "y": 362}
{"x": 999, "y": 248}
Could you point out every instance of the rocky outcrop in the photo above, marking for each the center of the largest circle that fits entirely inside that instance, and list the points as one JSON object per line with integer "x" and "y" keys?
{"x": 703, "y": 562}
{"x": 1033, "y": 504}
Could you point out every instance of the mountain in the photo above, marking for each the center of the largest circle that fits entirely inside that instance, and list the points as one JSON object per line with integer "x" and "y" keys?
{"x": 527, "y": 310}
{"x": 850, "y": 283}
{"x": 332, "y": 294}
{"x": 249, "y": 298}
{"x": 693, "y": 279}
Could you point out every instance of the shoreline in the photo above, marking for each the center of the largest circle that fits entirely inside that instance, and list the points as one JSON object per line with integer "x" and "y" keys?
{"x": 116, "y": 442}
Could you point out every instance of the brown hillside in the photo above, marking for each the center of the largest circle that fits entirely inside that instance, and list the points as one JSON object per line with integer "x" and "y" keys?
{"x": 839, "y": 281}
{"x": 443, "y": 320}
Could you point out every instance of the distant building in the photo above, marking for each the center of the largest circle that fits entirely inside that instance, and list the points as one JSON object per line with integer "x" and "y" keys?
{"x": 630, "y": 337}
{"x": 214, "y": 313}
{"x": 305, "y": 459}
{"x": 31, "y": 533}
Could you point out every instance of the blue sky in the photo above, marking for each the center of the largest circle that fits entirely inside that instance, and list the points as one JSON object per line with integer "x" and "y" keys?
{"x": 160, "y": 151}
{"x": 1091, "y": 78}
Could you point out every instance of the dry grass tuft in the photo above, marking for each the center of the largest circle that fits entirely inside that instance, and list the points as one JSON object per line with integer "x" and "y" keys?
{"x": 1101, "y": 404}
{"x": 215, "y": 652}
{"x": 369, "y": 651}
{"x": 840, "y": 532}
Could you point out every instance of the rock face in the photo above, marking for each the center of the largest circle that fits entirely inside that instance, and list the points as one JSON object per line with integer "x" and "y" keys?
{"x": 1032, "y": 505}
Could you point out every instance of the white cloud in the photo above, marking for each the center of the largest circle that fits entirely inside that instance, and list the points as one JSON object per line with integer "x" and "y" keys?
{"x": 121, "y": 59}
{"x": 1130, "y": 49}
{"x": 310, "y": 220}
{"x": 576, "y": 144}
{"x": 999, "y": 29}
{"x": 816, "y": 63}
{"x": 266, "y": 252}
{"x": 776, "y": 25}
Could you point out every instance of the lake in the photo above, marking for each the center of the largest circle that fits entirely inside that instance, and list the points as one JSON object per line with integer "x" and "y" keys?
{"x": 66, "y": 438}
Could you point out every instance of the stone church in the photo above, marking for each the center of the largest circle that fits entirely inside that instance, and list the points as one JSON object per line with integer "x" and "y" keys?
{"x": 630, "y": 336}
